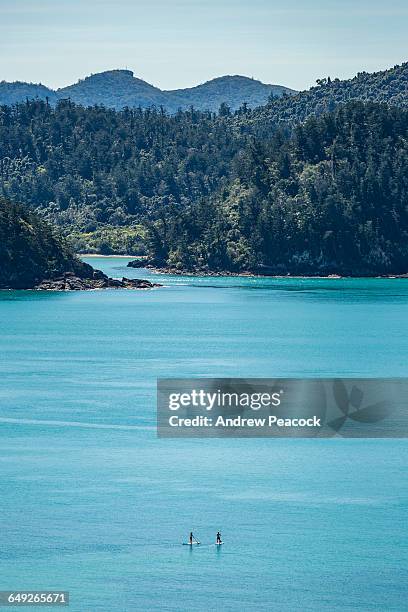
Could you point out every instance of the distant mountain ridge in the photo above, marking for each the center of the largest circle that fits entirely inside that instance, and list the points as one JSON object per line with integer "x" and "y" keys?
{"x": 120, "y": 88}
{"x": 12, "y": 93}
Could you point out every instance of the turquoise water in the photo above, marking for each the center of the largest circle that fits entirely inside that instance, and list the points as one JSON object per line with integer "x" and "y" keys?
{"x": 92, "y": 502}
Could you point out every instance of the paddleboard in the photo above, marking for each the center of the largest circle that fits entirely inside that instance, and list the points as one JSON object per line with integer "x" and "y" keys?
{"x": 219, "y": 543}
{"x": 189, "y": 544}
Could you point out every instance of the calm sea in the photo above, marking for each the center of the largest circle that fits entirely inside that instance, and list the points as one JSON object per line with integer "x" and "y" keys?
{"x": 93, "y": 503}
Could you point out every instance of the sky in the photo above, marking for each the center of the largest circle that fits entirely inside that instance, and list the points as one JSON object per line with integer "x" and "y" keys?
{"x": 180, "y": 43}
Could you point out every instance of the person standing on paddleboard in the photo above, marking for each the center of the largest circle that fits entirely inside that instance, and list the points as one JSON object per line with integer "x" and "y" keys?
{"x": 219, "y": 541}
{"x": 192, "y": 538}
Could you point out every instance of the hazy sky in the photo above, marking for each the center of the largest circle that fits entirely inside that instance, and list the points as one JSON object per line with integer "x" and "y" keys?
{"x": 179, "y": 43}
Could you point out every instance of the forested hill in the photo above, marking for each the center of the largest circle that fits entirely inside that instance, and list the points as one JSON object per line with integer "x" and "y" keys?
{"x": 31, "y": 251}
{"x": 331, "y": 199}
{"x": 12, "y": 93}
{"x": 120, "y": 88}
{"x": 232, "y": 91}
{"x": 212, "y": 191}
{"x": 389, "y": 86}
{"x": 86, "y": 167}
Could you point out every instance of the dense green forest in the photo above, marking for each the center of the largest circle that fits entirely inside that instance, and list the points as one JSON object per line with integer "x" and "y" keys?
{"x": 91, "y": 169}
{"x": 307, "y": 184}
{"x": 31, "y": 250}
{"x": 332, "y": 198}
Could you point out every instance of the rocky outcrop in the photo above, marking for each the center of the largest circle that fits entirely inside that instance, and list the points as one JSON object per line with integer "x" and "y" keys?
{"x": 70, "y": 282}
{"x": 34, "y": 256}
{"x": 138, "y": 263}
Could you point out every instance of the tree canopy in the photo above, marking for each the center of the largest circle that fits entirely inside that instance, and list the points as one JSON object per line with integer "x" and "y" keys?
{"x": 329, "y": 199}
{"x": 217, "y": 191}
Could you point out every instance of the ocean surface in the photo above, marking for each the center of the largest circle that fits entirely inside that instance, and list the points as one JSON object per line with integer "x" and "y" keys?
{"x": 93, "y": 503}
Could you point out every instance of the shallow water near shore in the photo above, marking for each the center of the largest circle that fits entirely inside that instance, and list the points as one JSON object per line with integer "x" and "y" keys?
{"x": 94, "y": 503}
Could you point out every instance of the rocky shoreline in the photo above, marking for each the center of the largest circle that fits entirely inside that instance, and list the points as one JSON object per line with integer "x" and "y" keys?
{"x": 138, "y": 263}
{"x": 92, "y": 279}
{"x": 257, "y": 274}
{"x": 176, "y": 272}
{"x": 70, "y": 282}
